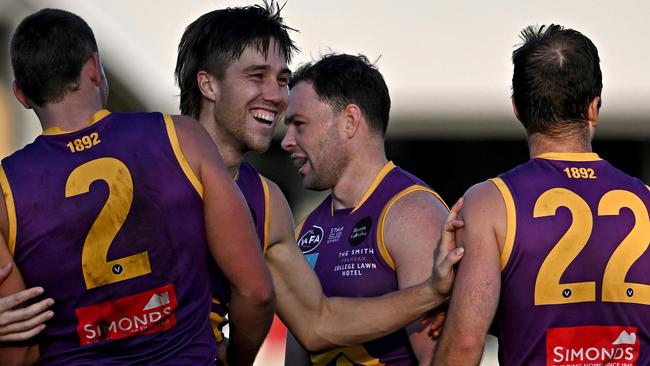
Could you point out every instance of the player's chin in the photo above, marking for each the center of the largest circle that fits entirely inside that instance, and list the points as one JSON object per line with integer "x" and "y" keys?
{"x": 260, "y": 145}
{"x": 313, "y": 184}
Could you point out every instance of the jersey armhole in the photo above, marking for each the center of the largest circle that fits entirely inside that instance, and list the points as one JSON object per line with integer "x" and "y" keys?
{"x": 180, "y": 157}
{"x": 299, "y": 228}
{"x": 11, "y": 210}
{"x": 381, "y": 245}
{"x": 267, "y": 212}
{"x": 511, "y": 220}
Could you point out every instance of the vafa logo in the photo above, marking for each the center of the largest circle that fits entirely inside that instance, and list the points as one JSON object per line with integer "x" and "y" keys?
{"x": 310, "y": 239}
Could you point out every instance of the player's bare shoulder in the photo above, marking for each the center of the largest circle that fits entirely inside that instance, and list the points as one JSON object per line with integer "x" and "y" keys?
{"x": 195, "y": 143}
{"x": 418, "y": 209}
{"x": 190, "y": 130}
{"x": 482, "y": 194}
{"x": 485, "y": 206}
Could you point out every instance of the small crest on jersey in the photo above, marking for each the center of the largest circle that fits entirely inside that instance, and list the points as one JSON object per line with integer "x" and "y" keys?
{"x": 310, "y": 239}
{"x": 592, "y": 346}
{"x": 144, "y": 313}
{"x": 360, "y": 231}
{"x": 335, "y": 234}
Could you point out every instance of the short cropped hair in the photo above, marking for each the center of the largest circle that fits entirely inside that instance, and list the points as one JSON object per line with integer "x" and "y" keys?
{"x": 556, "y": 77}
{"x": 48, "y": 50}
{"x": 216, "y": 39}
{"x": 341, "y": 79}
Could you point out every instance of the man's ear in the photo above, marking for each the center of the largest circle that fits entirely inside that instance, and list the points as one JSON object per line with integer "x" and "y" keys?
{"x": 353, "y": 118}
{"x": 208, "y": 85}
{"x": 96, "y": 70}
{"x": 18, "y": 93}
{"x": 514, "y": 108}
{"x": 592, "y": 112}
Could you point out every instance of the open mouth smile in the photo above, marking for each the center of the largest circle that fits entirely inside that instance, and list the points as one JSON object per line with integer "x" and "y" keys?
{"x": 263, "y": 115}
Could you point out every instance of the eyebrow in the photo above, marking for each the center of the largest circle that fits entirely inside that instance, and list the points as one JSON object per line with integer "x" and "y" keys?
{"x": 257, "y": 68}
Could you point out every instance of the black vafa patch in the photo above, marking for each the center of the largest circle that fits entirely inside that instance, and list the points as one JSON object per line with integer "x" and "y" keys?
{"x": 310, "y": 239}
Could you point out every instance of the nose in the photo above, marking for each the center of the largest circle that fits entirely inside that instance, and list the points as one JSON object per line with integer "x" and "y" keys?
{"x": 276, "y": 93}
{"x": 289, "y": 139}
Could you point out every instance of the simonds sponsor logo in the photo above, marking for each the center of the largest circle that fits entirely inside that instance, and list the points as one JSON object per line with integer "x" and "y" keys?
{"x": 592, "y": 346}
{"x": 310, "y": 239}
{"x": 144, "y": 313}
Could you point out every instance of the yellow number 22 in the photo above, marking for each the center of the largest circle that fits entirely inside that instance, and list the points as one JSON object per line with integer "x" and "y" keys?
{"x": 97, "y": 270}
{"x": 549, "y": 290}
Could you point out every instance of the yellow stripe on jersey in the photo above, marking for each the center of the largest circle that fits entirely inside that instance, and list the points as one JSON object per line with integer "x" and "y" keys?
{"x": 346, "y": 356}
{"x": 97, "y": 116}
{"x": 570, "y": 156}
{"x": 11, "y": 210}
{"x": 511, "y": 220}
{"x": 299, "y": 228}
{"x": 384, "y": 213}
{"x": 380, "y": 176}
{"x": 267, "y": 213}
{"x": 178, "y": 152}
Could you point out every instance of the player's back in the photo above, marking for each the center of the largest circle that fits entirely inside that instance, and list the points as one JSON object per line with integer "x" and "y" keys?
{"x": 575, "y": 282}
{"x": 109, "y": 220}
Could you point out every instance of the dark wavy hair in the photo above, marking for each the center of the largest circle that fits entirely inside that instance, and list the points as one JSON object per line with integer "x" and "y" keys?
{"x": 213, "y": 41}
{"x": 556, "y": 77}
{"x": 341, "y": 79}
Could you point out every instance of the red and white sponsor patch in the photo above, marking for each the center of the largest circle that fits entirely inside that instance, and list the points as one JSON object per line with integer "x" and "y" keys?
{"x": 592, "y": 346}
{"x": 144, "y": 313}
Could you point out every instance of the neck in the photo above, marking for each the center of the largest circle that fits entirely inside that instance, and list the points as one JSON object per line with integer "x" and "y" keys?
{"x": 231, "y": 154}
{"x": 357, "y": 178}
{"x": 539, "y": 143}
{"x": 71, "y": 114}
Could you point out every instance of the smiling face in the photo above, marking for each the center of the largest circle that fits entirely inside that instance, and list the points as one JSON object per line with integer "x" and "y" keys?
{"x": 313, "y": 139}
{"x": 252, "y": 98}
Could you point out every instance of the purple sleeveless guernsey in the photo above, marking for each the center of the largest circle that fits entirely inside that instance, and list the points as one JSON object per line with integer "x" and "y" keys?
{"x": 575, "y": 280}
{"x": 347, "y": 251}
{"x": 256, "y": 192}
{"x": 109, "y": 220}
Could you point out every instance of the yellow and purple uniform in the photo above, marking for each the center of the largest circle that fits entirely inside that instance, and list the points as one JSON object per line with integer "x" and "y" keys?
{"x": 346, "y": 249}
{"x": 109, "y": 220}
{"x": 575, "y": 280}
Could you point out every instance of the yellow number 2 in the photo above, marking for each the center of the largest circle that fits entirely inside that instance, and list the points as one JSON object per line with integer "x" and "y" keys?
{"x": 615, "y": 288}
{"x": 97, "y": 270}
{"x": 549, "y": 290}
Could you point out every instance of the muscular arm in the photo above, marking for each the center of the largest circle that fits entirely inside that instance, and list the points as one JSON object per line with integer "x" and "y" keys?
{"x": 233, "y": 244}
{"x": 321, "y": 323}
{"x": 478, "y": 281}
{"x": 411, "y": 231}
